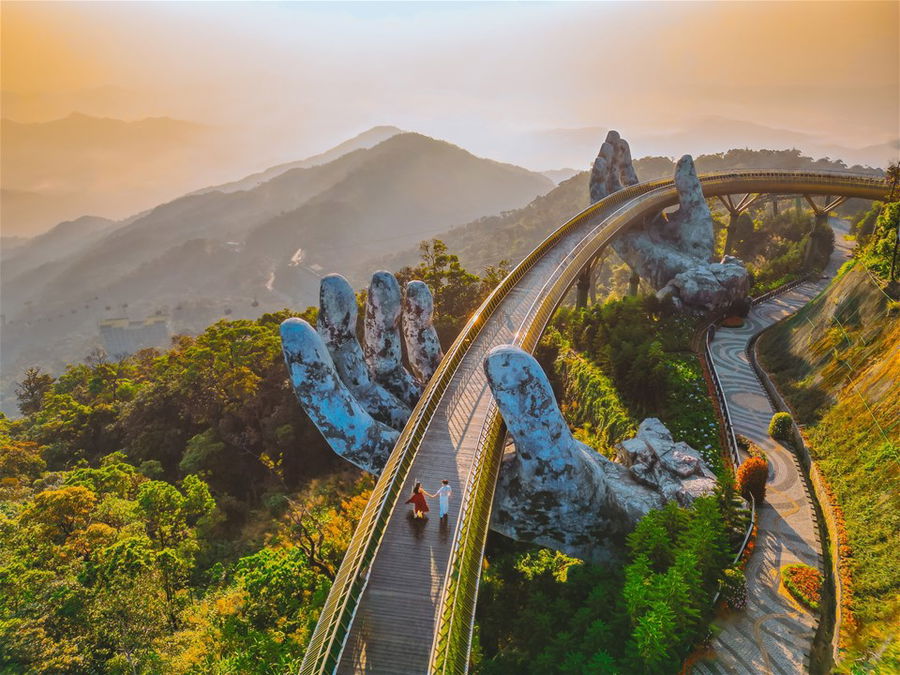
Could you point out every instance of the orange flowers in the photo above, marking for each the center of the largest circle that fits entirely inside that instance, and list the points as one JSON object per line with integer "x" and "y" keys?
{"x": 804, "y": 583}
{"x": 751, "y": 478}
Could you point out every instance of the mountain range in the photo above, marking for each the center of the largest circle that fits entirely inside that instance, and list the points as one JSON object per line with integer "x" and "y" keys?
{"x": 66, "y": 168}
{"x": 262, "y": 242}
{"x": 258, "y": 244}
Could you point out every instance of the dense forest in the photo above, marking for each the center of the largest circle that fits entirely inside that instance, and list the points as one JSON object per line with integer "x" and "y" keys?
{"x": 611, "y": 365}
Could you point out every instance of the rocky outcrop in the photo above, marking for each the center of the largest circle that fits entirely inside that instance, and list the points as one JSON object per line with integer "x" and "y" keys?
{"x": 674, "y": 469}
{"x": 673, "y": 253}
{"x": 423, "y": 347}
{"x": 558, "y": 492}
{"x": 383, "y": 350}
{"x": 350, "y": 431}
{"x": 336, "y": 324}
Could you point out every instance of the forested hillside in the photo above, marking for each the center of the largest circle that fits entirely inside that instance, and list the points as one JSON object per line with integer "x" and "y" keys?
{"x": 210, "y": 255}
{"x": 838, "y": 363}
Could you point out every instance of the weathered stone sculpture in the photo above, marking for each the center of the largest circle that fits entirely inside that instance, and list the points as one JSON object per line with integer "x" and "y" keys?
{"x": 674, "y": 469}
{"x": 349, "y": 429}
{"x": 672, "y": 253}
{"x": 382, "y": 339}
{"x": 350, "y": 397}
{"x": 336, "y": 325}
{"x": 613, "y": 168}
{"x": 422, "y": 344}
{"x": 558, "y": 492}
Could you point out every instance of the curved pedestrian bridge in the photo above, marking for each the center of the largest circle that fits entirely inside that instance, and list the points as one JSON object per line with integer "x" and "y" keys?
{"x": 404, "y": 597}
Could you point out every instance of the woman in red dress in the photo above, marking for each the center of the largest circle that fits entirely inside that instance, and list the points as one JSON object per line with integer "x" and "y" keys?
{"x": 420, "y": 506}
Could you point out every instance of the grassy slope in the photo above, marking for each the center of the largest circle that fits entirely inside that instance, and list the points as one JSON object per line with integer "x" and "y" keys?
{"x": 838, "y": 363}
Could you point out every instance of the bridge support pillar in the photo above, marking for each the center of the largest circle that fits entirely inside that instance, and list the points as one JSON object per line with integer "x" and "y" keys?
{"x": 735, "y": 209}
{"x": 584, "y": 284}
{"x": 729, "y": 235}
{"x": 821, "y": 218}
{"x": 633, "y": 283}
{"x": 775, "y": 208}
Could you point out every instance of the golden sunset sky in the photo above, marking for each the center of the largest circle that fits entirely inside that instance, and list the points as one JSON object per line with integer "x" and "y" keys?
{"x": 288, "y": 79}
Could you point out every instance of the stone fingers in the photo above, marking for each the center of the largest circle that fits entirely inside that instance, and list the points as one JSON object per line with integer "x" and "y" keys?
{"x": 336, "y": 325}
{"x": 422, "y": 344}
{"x": 382, "y": 348}
{"x": 349, "y": 429}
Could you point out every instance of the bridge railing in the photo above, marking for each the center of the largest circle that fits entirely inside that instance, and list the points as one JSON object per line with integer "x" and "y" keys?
{"x": 325, "y": 647}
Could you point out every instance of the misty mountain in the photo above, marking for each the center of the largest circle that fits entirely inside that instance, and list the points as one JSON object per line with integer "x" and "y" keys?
{"x": 204, "y": 256}
{"x": 410, "y": 187}
{"x": 366, "y": 139}
{"x": 511, "y": 236}
{"x": 66, "y": 239}
{"x": 62, "y": 169}
{"x": 560, "y": 175}
{"x": 708, "y": 134}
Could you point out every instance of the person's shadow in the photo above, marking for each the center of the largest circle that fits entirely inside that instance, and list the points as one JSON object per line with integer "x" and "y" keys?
{"x": 444, "y": 529}
{"x": 417, "y": 525}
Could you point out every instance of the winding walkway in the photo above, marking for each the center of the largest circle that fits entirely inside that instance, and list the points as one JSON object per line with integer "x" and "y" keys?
{"x": 774, "y": 635}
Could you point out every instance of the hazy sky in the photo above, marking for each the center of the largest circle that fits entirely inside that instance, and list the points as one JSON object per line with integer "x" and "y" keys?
{"x": 289, "y": 79}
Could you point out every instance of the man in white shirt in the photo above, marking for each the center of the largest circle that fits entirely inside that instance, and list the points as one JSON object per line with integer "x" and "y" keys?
{"x": 443, "y": 494}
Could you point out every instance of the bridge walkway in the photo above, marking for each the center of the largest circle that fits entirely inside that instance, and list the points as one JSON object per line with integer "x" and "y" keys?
{"x": 397, "y": 614}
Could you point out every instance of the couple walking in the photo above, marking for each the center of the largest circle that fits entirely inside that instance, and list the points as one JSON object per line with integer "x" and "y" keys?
{"x": 420, "y": 506}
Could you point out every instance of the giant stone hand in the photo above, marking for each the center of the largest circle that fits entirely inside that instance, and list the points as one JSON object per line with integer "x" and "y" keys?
{"x": 673, "y": 253}
{"x": 557, "y": 491}
{"x": 360, "y": 403}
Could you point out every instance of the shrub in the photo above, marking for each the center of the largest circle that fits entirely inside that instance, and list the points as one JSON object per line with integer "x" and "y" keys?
{"x": 734, "y": 587}
{"x": 751, "y": 478}
{"x": 780, "y": 426}
{"x": 804, "y": 583}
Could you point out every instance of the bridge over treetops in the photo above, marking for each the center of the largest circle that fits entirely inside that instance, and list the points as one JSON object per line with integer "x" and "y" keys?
{"x": 403, "y": 600}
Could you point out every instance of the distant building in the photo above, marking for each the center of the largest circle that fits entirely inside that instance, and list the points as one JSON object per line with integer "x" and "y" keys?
{"x": 123, "y": 337}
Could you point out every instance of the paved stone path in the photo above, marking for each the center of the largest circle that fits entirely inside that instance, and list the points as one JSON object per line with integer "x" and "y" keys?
{"x": 774, "y": 634}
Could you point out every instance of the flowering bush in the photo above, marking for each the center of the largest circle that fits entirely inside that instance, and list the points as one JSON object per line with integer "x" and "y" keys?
{"x": 804, "y": 583}
{"x": 780, "y": 426}
{"x": 751, "y": 478}
{"x": 734, "y": 587}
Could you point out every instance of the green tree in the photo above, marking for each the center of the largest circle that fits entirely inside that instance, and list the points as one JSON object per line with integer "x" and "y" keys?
{"x": 457, "y": 292}
{"x": 30, "y": 391}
